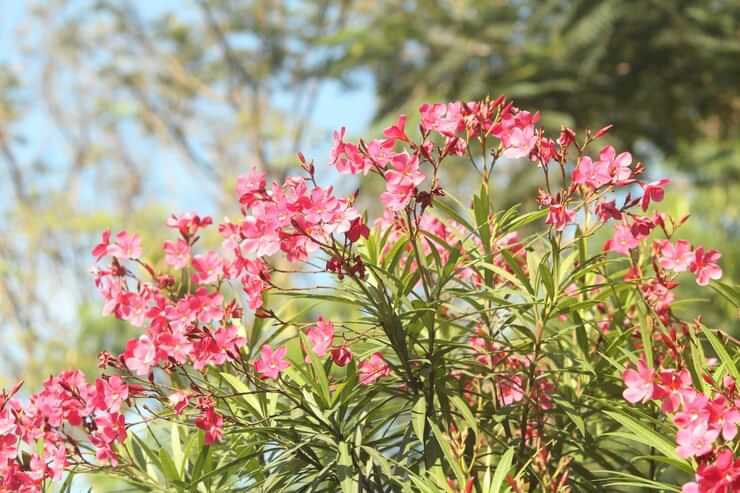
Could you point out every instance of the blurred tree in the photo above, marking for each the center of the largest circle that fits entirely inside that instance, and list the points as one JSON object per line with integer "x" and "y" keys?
{"x": 665, "y": 72}
{"x": 135, "y": 98}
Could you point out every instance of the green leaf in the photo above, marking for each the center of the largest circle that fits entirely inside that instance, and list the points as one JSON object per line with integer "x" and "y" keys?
{"x": 642, "y": 434}
{"x": 502, "y": 469}
{"x": 419, "y": 417}
{"x": 176, "y": 444}
{"x": 462, "y": 407}
{"x": 444, "y": 445}
{"x": 727, "y": 291}
{"x": 722, "y": 353}
{"x": 246, "y": 394}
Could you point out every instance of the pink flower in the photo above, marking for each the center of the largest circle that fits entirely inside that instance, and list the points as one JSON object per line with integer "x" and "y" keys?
{"x": 175, "y": 346}
{"x": 675, "y": 257}
{"x": 704, "y": 266}
{"x": 724, "y": 416}
{"x": 623, "y": 240}
{"x": 341, "y": 355}
{"x": 640, "y": 383}
{"x": 271, "y": 362}
{"x": 721, "y": 477}
{"x": 101, "y": 249}
{"x": 372, "y": 369}
{"x": 127, "y": 246}
{"x": 140, "y": 355}
{"x": 592, "y": 173}
{"x": 695, "y": 440}
{"x": 653, "y": 191}
{"x": 251, "y": 187}
{"x": 608, "y": 210}
{"x": 446, "y": 119}
{"x": 321, "y": 337}
{"x": 213, "y": 424}
{"x": 110, "y": 394}
{"x": 521, "y": 142}
{"x": 674, "y": 384}
{"x": 618, "y": 165}
{"x": 207, "y": 267}
{"x": 346, "y": 157}
{"x": 188, "y": 224}
{"x": 260, "y": 237}
{"x": 177, "y": 253}
{"x": 397, "y": 131}
{"x": 558, "y": 216}
{"x": 179, "y": 401}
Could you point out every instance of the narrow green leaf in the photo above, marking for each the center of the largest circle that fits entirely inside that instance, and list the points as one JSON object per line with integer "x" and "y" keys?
{"x": 502, "y": 469}
{"x": 722, "y": 353}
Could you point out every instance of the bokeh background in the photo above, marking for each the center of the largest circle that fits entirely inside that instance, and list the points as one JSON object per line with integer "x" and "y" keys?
{"x": 116, "y": 113}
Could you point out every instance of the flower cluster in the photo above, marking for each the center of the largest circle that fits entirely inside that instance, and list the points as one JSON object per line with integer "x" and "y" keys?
{"x": 42, "y": 437}
{"x": 706, "y": 422}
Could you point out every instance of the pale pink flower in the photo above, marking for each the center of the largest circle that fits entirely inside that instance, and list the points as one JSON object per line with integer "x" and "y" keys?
{"x": 177, "y": 253}
{"x": 695, "y": 441}
{"x": 321, "y": 337}
{"x": 640, "y": 383}
{"x": 675, "y": 257}
{"x": 271, "y": 362}
{"x": 373, "y": 368}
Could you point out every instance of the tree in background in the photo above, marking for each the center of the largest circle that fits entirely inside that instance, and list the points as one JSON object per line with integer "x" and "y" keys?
{"x": 664, "y": 72}
{"x": 111, "y": 103}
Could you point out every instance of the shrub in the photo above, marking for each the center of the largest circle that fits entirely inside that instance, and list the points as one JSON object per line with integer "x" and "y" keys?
{"x": 444, "y": 346}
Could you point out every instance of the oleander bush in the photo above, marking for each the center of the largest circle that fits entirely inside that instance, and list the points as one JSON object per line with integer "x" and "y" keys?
{"x": 446, "y": 345}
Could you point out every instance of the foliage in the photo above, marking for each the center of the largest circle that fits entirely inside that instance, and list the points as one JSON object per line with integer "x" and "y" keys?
{"x": 476, "y": 350}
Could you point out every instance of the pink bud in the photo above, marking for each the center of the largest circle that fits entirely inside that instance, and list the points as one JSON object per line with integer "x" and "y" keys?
{"x": 341, "y": 355}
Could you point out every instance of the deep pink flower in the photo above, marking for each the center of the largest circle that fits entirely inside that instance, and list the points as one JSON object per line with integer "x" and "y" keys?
{"x": 271, "y": 362}
{"x": 608, "y": 210}
{"x": 101, "y": 249}
{"x": 346, "y": 157}
{"x": 174, "y": 345}
{"x": 704, "y": 266}
{"x": 341, "y": 356}
{"x": 653, "y": 191}
{"x": 559, "y": 216}
{"x": 640, "y": 383}
{"x": 179, "y": 401}
{"x": 373, "y": 368}
{"x": 397, "y": 131}
{"x": 674, "y": 385}
{"x": 213, "y": 424}
{"x": 111, "y": 393}
{"x": 723, "y": 476}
